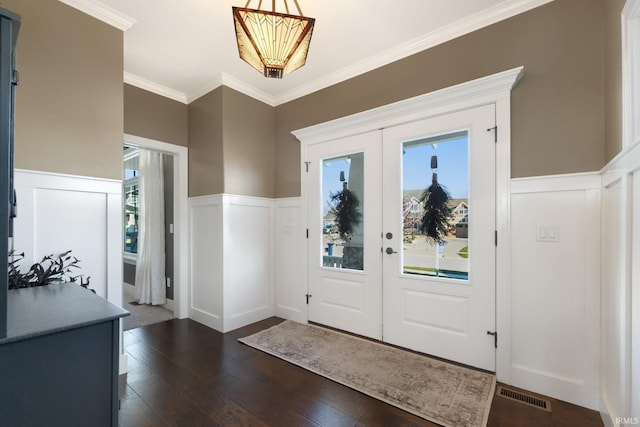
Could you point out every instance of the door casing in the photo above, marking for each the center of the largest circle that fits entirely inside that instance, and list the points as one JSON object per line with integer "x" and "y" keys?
{"x": 492, "y": 89}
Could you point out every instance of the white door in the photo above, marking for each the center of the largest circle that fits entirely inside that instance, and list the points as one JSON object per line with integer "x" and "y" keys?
{"x": 439, "y": 295}
{"x": 345, "y": 271}
{"x": 434, "y": 298}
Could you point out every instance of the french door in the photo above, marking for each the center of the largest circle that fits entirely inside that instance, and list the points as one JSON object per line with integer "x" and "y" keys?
{"x": 345, "y": 280}
{"x": 389, "y": 276}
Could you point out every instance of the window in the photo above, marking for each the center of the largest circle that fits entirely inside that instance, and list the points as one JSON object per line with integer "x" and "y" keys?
{"x": 423, "y": 255}
{"x": 131, "y": 200}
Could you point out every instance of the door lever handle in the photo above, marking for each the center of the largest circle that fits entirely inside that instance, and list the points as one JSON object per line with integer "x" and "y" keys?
{"x": 391, "y": 251}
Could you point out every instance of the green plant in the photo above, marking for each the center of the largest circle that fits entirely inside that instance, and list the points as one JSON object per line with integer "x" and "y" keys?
{"x": 464, "y": 252}
{"x": 51, "y": 269}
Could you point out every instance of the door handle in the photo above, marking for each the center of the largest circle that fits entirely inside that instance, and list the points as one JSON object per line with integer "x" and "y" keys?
{"x": 391, "y": 251}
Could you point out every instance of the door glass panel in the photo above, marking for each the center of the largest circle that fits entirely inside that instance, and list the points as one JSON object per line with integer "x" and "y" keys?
{"x": 435, "y": 206}
{"x": 342, "y": 212}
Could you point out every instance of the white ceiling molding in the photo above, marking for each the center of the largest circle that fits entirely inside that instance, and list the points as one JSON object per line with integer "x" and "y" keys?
{"x": 248, "y": 90}
{"x": 204, "y": 89}
{"x": 150, "y": 86}
{"x": 464, "y": 26}
{"x": 233, "y": 83}
{"x": 102, "y": 12}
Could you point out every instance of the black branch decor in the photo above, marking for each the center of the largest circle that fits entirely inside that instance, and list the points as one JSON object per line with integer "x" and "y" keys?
{"x": 437, "y": 213}
{"x": 51, "y": 269}
{"x": 345, "y": 208}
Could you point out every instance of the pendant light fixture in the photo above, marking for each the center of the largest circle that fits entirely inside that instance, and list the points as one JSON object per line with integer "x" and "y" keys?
{"x": 273, "y": 43}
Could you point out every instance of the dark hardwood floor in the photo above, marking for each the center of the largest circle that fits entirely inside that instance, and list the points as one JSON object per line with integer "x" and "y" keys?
{"x": 182, "y": 373}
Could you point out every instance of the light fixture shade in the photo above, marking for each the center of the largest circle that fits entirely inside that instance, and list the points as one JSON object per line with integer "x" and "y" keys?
{"x": 273, "y": 43}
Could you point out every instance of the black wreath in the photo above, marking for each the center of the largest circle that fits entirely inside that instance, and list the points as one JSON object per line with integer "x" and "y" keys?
{"x": 345, "y": 208}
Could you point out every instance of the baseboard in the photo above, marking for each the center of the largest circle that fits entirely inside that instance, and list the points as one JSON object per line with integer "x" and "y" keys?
{"x": 169, "y": 305}
{"x": 605, "y": 412}
{"x": 290, "y": 313}
{"x": 207, "y": 319}
{"x": 568, "y": 389}
{"x": 247, "y": 318}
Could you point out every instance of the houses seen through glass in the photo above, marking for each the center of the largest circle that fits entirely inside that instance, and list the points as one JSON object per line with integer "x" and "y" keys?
{"x": 422, "y": 254}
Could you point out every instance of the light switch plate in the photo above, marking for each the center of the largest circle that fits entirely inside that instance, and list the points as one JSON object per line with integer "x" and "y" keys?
{"x": 548, "y": 233}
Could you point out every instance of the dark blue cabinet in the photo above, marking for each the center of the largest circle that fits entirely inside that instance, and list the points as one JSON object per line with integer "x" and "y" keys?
{"x": 59, "y": 360}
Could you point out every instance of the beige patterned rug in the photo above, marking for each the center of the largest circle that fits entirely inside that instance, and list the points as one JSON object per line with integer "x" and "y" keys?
{"x": 441, "y": 392}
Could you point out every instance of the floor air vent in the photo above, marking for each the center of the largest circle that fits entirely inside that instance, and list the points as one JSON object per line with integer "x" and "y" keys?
{"x": 527, "y": 399}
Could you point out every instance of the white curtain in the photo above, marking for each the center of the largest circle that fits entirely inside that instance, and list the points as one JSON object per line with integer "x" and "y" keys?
{"x": 150, "y": 279}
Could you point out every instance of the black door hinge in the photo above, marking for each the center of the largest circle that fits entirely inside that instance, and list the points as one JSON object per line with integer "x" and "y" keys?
{"x": 495, "y": 133}
{"x": 496, "y": 237}
{"x": 306, "y": 166}
{"x": 495, "y": 338}
{"x": 307, "y": 233}
{"x": 308, "y": 296}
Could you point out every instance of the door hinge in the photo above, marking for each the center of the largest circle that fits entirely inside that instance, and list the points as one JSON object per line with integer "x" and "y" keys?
{"x": 306, "y": 166}
{"x": 307, "y": 233}
{"x": 495, "y": 337}
{"x": 15, "y": 78}
{"x": 308, "y": 296}
{"x": 495, "y": 237}
{"x": 495, "y": 133}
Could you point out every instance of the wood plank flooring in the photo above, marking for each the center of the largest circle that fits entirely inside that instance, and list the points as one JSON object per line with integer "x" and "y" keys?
{"x": 182, "y": 373}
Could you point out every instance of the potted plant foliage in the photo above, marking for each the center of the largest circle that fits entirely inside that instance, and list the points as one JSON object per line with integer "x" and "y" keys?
{"x": 51, "y": 269}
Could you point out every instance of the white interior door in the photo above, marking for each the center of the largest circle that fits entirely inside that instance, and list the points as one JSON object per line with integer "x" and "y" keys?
{"x": 439, "y": 295}
{"x": 345, "y": 271}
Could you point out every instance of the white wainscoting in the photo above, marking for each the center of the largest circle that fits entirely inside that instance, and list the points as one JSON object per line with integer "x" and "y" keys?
{"x": 554, "y": 289}
{"x": 620, "y": 293}
{"x": 290, "y": 249}
{"x": 232, "y": 260}
{"x": 58, "y": 212}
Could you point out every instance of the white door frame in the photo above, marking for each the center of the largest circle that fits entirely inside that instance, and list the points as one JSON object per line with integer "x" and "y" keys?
{"x": 180, "y": 217}
{"x": 493, "y": 89}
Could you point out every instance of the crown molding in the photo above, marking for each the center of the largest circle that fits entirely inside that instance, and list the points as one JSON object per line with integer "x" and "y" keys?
{"x": 444, "y": 34}
{"x": 207, "y": 87}
{"x": 500, "y": 12}
{"x": 233, "y": 83}
{"x": 102, "y": 12}
{"x": 156, "y": 88}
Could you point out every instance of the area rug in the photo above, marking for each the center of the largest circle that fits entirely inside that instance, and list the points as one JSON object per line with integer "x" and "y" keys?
{"x": 440, "y": 392}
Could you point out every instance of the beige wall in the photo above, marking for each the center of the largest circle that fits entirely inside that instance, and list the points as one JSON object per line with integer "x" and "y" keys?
{"x": 155, "y": 117}
{"x": 206, "y": 161}
{"x": 231, "y": 145}
{"x": 69, "y": 104}
{"x": 70, "y": 101}
{"x": 249, "y": 145}
{"x": 558, "y": 118}
{"x": 613, "y": 106}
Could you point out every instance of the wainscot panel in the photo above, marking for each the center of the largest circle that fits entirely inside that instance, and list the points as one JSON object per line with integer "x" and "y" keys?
{"x": 290, "y": 272}
{"x": 58, "y": 212}
{"x": 555, "y": 258}
{"x": 232, "y": 260}
{"x": 620, "y": 293}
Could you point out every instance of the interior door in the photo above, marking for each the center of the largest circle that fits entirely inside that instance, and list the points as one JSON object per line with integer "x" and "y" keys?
{"x": 439, "y": 294}
{"x": 345, "y": 266}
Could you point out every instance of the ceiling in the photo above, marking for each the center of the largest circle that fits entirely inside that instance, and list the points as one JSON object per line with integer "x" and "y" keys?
{"x": 183, "y": 49}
